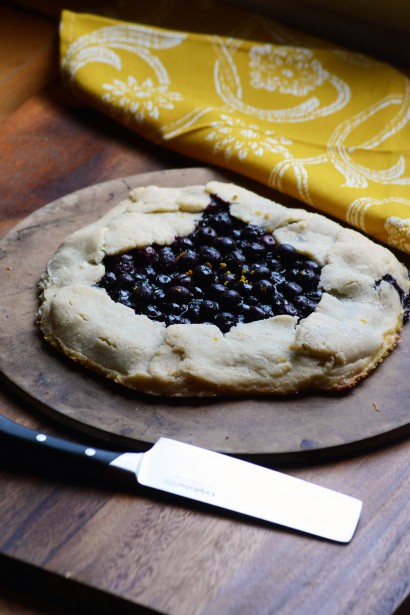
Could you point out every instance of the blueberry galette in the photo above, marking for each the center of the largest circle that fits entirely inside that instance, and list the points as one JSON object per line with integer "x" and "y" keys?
{"x": 212, "y": 290}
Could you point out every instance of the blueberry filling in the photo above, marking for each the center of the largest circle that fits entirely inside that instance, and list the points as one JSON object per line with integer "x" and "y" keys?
{"x": 226, "y": 272}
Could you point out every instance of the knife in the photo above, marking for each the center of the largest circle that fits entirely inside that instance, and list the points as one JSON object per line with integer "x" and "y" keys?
{"x": 209, "y": 477}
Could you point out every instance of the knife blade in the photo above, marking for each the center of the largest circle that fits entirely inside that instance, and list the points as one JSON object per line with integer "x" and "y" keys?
{"x": 209, "y": 477}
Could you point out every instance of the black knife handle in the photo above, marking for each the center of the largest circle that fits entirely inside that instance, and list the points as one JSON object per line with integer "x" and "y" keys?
{"x": 24, "y": 442}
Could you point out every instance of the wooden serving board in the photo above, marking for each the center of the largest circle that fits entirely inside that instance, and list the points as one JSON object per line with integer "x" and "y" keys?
{"x": 308, "y": 425}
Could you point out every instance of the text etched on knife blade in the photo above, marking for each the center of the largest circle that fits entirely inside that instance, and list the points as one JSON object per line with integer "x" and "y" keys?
{"x": 193, "y": 488}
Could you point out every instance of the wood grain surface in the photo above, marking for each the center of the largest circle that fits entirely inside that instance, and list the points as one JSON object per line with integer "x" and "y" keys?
{"x": 28, "y": 56}
{"x": 307, "y": 425}
{"x": 68, "y": 546}
{"x": 182, "y": 560}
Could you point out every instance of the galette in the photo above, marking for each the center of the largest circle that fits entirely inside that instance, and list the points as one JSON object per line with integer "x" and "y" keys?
{"x": 214, "y": 290}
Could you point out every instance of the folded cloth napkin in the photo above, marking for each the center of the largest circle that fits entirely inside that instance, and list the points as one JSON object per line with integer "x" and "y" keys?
{"x": 325, "y": 125}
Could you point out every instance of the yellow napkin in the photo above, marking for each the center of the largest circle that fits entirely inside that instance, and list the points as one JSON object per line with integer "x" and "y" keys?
{"x": 325, "y": 125}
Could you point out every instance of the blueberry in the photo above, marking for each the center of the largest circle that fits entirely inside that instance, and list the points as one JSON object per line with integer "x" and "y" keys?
{"x": 206, "y": 234}
{"x": 304, "y": 304}
{"x": 197, "y": 292}
{"x": 221, "y": 222}
{"x": 149, "y": 272}
{"x": 251, "y": 232}
{"x": 314, "y": 295}
{"x": 147, "y": 255}
{"x": 268, "y": 242}
{"x": 231, "y": 298}
{"x": 312, "y": 265}
{"x": 123, "y": 266}
{"x": 182, "y": 279}
{"x": 214, "y": 205}
{"x": 252, "y": 300}
{"x": 123, "y": 296}
{"x": 279, "y": 304}
{"x": 268, "y": 310}
{"x": 287, "y": 253}
{"x": 126, "y": 258}
{"x": 186, "y": 260}
{"x": 209, "y": 308}
{"x": 171, "y": 307}
{"x": 290, "y": 289}
{"x": 216, "y": 290}
{"x": 254, "y": 250}
{"x": 261, "y": 272}
{"x": 126, "y": 280}
{"x": 276, "y": 277}
{"x": 158, "y": 295}
{"x": 244, "y": 309}
{"x": 273, "y": 263}
{"x": 194, "y": 309}
{"x": 183, "y": 243}
{"x": 256, "y": 313}
{"x": 166, "y": 258}
{"x": 153, "y": 312}
{"x": 235, "y": 260}
{"x": 142, "y": 294}
{"x": 224, "y": 244}
{"x": 108, "y": 280}
{"x": 195, "y": 303}
{"x": 263, "y": 289}
{"x": 163, "y": 279}
{"x": 139, "y": 278}
{"x": 179, "y": 294}
{"x": 307, "y": 278}
{"x": 244, "y": 288}
{"x": 290, "y": 310}
{"x": 203, "y": 275}
{"x": 228, "y": 279}
{"x": 225, "y": 320}
{"x": 208, "y": 254}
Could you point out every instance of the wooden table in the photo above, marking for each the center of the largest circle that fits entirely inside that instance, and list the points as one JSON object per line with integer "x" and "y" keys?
{"x": 69, "y": 545}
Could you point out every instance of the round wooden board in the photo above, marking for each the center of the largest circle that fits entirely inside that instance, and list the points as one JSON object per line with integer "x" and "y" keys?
{"x": 283, "y": 428}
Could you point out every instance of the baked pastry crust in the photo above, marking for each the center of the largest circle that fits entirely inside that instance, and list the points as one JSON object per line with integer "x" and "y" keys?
{"x": 355, "y": 324}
